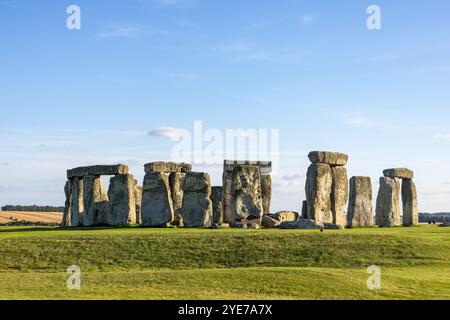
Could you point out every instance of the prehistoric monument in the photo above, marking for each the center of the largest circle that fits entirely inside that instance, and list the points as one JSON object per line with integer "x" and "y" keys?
{"x": 388, "y": 200}
{"x": 173, "y": 195}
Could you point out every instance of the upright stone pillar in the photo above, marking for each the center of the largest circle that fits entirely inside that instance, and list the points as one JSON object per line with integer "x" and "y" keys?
{"x": 227, "y": 197}
{"x": 197, "y": 206}
{"x": 66, "y": 222}
{"x": 339, "y": 195}
{"x": 318, "y": 192}
{"x": 247, "y": 206}
{"x": 360, "y": 209}
{"x": 304, "y": 209}
{"x": 95, "y": 202}
{"x": 157, "y": 209}
{"x": 388, "y": 203}
{"x": 176, "y": 180}
{"x": 138, "y": 196}
{"x": 216, "y": 198}
{"x": 77, "y": 209}
{"x": 266, "y": 192}
{"x": 410, "y": 207}
{"x": 122, "y": 202}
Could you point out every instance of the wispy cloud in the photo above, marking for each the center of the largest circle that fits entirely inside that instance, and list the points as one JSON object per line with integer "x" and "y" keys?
{"x": 442, "y": 136}
{"x": 129, "y": 31}
{"x": 261, "y": 25}
{"x": 307, "y": 19}
{"x": 166, "y": 133}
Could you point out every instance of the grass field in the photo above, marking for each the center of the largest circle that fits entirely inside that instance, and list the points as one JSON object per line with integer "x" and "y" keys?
{"x": 140, "y": 263}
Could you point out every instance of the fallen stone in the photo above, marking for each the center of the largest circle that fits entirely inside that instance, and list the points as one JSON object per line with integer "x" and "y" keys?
{"x": 157, "y": 209}
{"x": 333, "y": 226}
{"x": 300, "y": 224}
{"x": 216, "y": 199}
{"x": 269, "y": 222}
{"x": 167, "y": 167}
{"x": 339, "y": 195}
{"x": 283, "y": 216}
{"x": 401, "y": 173}
{"x": 197, "y": 206}
{"x": 410, "y": 206}
{"x": 246, "y": 191}
{"x": 102, "y": 170}
{"x": 388, "y": 203}
{"x": 318, "y": 192}
{"x": 360, "y": 208}
{"x": 122, "y": 202}
{"x": 330, "y": 158}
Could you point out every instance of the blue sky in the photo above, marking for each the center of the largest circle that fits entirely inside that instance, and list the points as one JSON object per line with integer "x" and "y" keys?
{"x": 311, "y": 69}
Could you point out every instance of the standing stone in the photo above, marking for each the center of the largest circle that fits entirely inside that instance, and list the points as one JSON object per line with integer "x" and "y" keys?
{"x": 388, "y": 203}
{"x": 176, "y": 189}
{"x": 227, "y": 197}
{"x": 318, "y": 192}
{"x": 68, "y": 205}
{"x": 266, "y": 192}
{"x": 122, "y": 202}
{"x": 197, "y": 206}
{"x": 410, "y": 207}
{"x": 216, "y": 198}
{"x": 304, "y": 209}
{"x": 157, "y": 209}
{"x": 360, "y": 209}
{"x": 339, "y": 195}
{"x": 95, "y": 202}
{"x": 247, "y": 199}
{"x": 138, "y": 196}
{"x": 76, "y": 217}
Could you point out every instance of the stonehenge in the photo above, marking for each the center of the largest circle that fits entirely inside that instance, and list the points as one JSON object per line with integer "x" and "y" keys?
{"x": 264, "y": 185}
{"x": 360, "y": 208}
{"x": 388, "y": 200}
{"x": 87, "y": 203}
{"x": 172, "y": 195}
{"x": 327, "y": 187}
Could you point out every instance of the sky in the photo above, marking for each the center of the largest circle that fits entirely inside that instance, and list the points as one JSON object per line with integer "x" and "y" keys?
{"x": 139, "y": 72}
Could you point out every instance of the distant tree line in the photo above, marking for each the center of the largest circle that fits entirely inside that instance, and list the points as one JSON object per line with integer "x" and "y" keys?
{"x": 437, "y": 217}
{"x": 33, "y": 208}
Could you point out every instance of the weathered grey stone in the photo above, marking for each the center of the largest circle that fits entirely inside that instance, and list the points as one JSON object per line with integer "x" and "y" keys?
{"x": 388, "y": 203}
{"x": 301, "y": 224}
{"x": 197, "y": 206}
{"x": 167, "y": 167}
{"x": 68, "y": 205}
{"x": 157, "y": 209}
{"x": 216, "y": 198}
{"x": 283, "y": 216}
{"x": 330, "y": 158}
{"x": 333, "y": 226}
{"x": 266, "y": 192}
{"x": 264, "y": 166}
{"x": 410, "y": 207}
{"x": 318, "y": 192}
{"x": 269, "y": 222}
{"x": 247, "y": 199}
{"x": 77, "y": 210}
{"x": 138, "y": 197}
{"x": 95, "y": 202}
{"x": 304, "y": 209}
{"x": 401, "y": 173}
{"x": 122, "y": 202}
{"x": 102, "y": 170}
{"x": 227, "y": 197}
{"x": 176, "y": 180}
{"x": 360, "y": 208}
{"x": 339, "y": 195}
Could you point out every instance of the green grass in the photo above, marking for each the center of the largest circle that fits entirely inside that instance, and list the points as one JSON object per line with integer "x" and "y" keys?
{"x": 139, "y": 263}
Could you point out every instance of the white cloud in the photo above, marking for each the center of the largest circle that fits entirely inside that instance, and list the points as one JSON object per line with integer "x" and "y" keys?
{"x": 307, "y": 19}
{"x": 166, "y": 133}
{"x": 129, "y": 31}
{"x": 442, "y": 136}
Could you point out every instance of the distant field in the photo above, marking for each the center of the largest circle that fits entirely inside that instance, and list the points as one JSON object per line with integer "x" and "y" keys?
{"x": 9, "y": 216}
{"x": 140, "y": 263}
